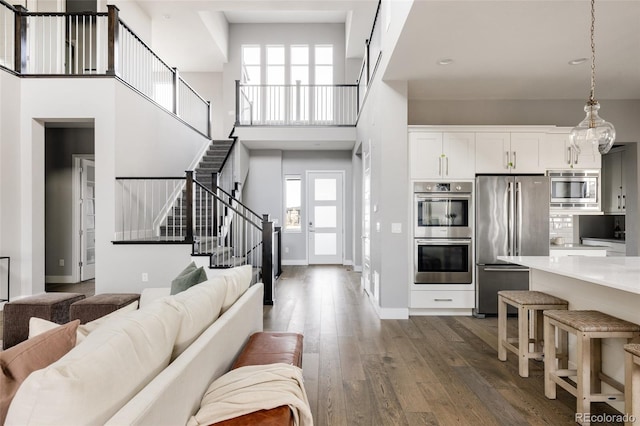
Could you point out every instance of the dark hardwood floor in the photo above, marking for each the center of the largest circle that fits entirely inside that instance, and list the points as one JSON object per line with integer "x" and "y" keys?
{"x": 360, "y": 370}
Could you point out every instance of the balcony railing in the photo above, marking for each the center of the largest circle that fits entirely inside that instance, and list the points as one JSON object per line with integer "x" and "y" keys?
{"x": 372, "y": 56}
{"x": 95, "y": 44}
{"x": 296, "y": 105}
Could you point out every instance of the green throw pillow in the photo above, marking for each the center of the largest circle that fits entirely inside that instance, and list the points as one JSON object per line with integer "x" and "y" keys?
{"x": 190, "y": 268}
{"x": 183, "y": 282}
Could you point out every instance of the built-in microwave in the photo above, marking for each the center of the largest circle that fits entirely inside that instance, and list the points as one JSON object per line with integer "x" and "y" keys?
{"x": 575, "y": 190}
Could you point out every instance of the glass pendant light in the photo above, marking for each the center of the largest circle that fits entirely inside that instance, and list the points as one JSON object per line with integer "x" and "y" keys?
{"x": 593, "y": 129}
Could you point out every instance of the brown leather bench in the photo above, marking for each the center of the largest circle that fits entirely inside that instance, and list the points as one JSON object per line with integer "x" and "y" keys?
{"x": 268, "y": 348}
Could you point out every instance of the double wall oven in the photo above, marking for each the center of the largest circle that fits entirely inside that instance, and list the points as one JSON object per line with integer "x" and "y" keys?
{"x": 443, "y": 249}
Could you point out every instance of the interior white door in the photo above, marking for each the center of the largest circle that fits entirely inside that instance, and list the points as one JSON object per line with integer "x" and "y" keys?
{"x": 366, "y": 224}
{"x": 87, "y": 220}
{"x": 325, "y": 201}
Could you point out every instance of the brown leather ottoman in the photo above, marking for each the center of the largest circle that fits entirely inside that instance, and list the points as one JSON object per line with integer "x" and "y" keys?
{"x": 97, "y": 306}
{"x": 268, "y": 348}
{"x": 49, "y": 306}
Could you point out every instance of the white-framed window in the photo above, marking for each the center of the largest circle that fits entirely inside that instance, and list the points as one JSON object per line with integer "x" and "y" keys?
{"x": 323, "y": 73}
{"x": 250, "y": 98}
{"x": 293, "y": 203}
{"x": 299, "y": 79}
{"x": 251, "y": 64}
{"x": 275, "y": 104}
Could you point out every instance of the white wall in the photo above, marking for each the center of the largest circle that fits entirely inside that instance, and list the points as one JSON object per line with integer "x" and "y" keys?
{"x": 383, "y": 123}
{"x": 284, "y": 34}
{"x": 262, "y": 191}
{"x": 209, "y": 86}
{"x": 10, "y": 233}
{"x": 132, "y": 137}
{"x": 298, "y": 163}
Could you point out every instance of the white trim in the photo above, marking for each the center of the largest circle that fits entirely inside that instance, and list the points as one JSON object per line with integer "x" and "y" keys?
{"x": 75, "y": 215}
{"x": 393, "y": 313}
{"x": 483, "y": 128}
{"x": 357, "y": 268}
{"x": 346, "y": 262}
{"x": 59, "y": 279}
{"x": 295, "y": 262}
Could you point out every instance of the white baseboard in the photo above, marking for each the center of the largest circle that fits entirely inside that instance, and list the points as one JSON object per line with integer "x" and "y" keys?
{"x": 441, "y": 312}
{"x": 393, "y": 313}
{"x": 347, "y": 262}
{"x": 357, "y": 268}
{"x": 294, "y": 262}
{"x": 59, "y": 279}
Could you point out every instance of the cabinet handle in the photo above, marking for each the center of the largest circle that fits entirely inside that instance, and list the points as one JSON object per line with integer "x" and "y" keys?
{"x": 443, "y": 300}
{"x": 624, "y": 202}
{"x": 568, "y": 156}
{"x": 619, "y": 206}
{"x": 447, "y": 159}
{"x": 576, "y": 152}
{"x": 439, "y": 166}
{"x": 508, "y": 162}
{"x": 514, "y": 159}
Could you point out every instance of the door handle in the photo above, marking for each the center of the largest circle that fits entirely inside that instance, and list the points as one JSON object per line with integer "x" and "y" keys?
{"x": 568, "y": 156}
{"x": 505, "y": 270}
{"x": 447, "y": 159}
{"x": 514, "y": 159}
{"x": 508, "y": 162}
{"x": 624, "y": 202}
{"x": 443, "y": 300}
{"x": 439, "y": 166}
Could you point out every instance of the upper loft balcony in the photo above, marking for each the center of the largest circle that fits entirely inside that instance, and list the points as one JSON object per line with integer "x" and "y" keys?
{"x": 296, "y": 105}
{"x": 96, "y": 45}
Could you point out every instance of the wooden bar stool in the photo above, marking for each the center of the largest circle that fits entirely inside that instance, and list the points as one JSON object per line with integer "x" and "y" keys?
{"x": 589, "y": 327}
{"x": 525, "y": 302}
{"x": 632, "y": 381}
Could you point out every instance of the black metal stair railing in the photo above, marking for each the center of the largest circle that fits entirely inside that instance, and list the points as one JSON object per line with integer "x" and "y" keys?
{"x": 172, "y": 210}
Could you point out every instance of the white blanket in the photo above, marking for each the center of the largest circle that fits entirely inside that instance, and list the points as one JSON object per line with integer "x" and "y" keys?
{"x": 253, "y": 388}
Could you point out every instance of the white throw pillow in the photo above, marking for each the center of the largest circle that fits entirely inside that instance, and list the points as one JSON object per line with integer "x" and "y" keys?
{"x": 238, "y": 280}
{"x": 94, "y": 380}
{"x": 39, "y": 325}
{"x": 199, "y": 306}
{"x": 151, "y": 294}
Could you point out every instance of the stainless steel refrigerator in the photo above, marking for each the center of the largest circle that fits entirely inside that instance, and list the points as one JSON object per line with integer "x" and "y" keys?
{"x": 512, "y": 219}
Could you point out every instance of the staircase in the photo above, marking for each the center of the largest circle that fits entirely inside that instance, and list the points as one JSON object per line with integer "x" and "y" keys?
{"x": 207, "y": 225}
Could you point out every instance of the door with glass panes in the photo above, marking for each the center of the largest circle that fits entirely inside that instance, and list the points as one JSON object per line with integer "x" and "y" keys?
{"x": 325, "y": 205}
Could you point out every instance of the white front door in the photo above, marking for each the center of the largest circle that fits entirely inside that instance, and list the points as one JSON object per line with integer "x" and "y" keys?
{"x": 87, "y": 220}
{"x": 325, "y": 201}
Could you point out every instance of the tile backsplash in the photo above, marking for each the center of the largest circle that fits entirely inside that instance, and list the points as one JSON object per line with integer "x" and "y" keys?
{"x": 561, "y": 225}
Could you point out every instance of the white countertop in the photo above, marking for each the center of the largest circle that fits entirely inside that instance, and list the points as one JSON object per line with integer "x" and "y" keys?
{"x": 573, "y": 246}
{"x": 622, "y": 273}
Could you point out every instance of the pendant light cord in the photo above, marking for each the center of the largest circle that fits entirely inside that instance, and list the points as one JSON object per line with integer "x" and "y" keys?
{"x": 593, "y": 52}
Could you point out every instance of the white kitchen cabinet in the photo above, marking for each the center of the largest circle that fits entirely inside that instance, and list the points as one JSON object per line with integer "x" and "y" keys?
{"x": 508, "y": 152}
{"x": 614, "y": 192}
{"x": 441, "y": 155}
{"x": 442, "y": 299}
{"x": 556, "y": 152}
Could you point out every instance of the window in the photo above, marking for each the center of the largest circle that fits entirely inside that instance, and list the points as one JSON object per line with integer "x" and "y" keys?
{"x": 293, "y": 197}
{"x": 275, "y": 81}
{"x": 323, "y": 80}
{"x": 299, "y": 75}
{"x": 250, "y": 106}
{"x": 251, "y": 64}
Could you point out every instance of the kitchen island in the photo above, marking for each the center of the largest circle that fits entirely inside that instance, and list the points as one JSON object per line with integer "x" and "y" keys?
{"x": 606, "y": 284}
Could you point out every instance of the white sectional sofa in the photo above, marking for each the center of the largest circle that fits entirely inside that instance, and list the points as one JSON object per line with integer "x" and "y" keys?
{"x": 147, "y": 367}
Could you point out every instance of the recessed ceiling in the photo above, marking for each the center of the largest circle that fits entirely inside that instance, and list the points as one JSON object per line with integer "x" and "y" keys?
{"x": 518, "y": 50}
{"x": 286, "y": 17}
